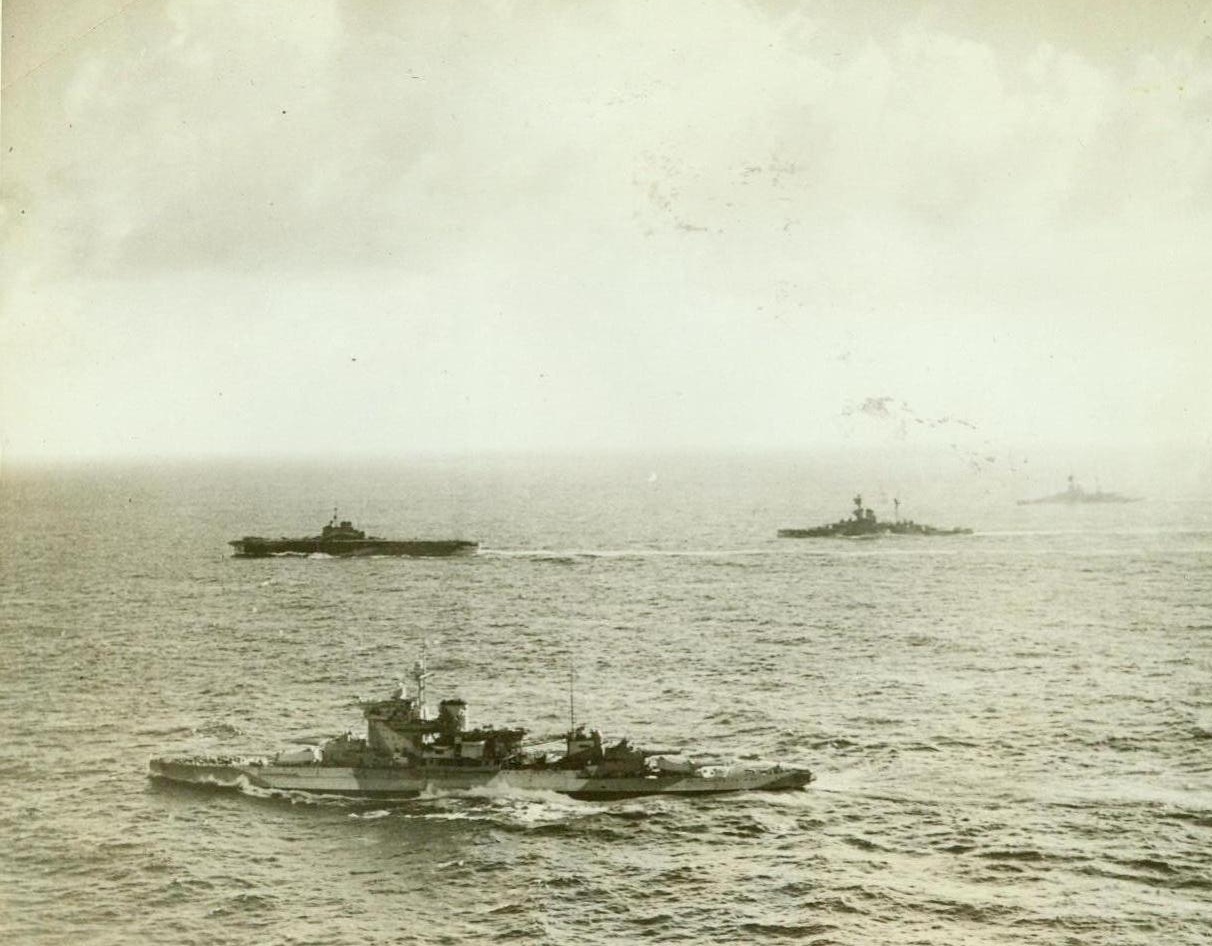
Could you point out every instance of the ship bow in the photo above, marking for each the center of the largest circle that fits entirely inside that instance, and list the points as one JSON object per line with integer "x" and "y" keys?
{"x": 201, "y": 771}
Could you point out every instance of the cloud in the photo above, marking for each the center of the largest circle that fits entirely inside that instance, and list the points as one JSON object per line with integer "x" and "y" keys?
{"x": 363, "y": 134}
{"x": 642, "y": 222}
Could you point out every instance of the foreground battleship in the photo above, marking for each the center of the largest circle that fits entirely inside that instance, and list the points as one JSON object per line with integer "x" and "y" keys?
{"x": 405, "y": 753}
{"x": 343, "y": 539}
{"x": 1075, "y": 495}
{"x": 863, "y": 524}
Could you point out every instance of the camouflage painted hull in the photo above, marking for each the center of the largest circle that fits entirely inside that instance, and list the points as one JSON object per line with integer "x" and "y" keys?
{"x": 410, "y": 782}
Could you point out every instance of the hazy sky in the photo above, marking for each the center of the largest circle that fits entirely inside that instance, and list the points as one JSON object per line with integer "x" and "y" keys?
{"x": 382, "y": 227}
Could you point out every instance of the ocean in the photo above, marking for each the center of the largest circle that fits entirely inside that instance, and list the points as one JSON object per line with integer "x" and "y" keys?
{"x": 1011, "y": 730}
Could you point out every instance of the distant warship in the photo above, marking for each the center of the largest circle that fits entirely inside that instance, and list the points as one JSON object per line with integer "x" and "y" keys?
{"x": 341, "y": 538}
{"x": 406, "y": 752}
{"x": 1075, "y": 495}
{"x": 863, "y": 524}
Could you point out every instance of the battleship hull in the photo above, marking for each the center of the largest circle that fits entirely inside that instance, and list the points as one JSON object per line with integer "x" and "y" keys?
{"x": 410, "y": 782}
{"x": 254, "y": 547}
{"x": 863, "y": 524}
{"x": 1079, "y": 499}
{"x": 849, "y": 531}
{"x": 1075, "y": 495}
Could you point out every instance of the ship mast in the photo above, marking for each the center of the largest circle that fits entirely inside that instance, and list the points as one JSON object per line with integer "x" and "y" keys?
{"x": 572, "y": 709}
{"x": 419, "y": 674}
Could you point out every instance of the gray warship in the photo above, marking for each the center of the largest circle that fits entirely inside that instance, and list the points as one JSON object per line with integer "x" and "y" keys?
{"x": 406, "y": 753}
{"x": 863, "y": 524}
{"x": 1075, "y": 495}
{"x": 342, "y": 539}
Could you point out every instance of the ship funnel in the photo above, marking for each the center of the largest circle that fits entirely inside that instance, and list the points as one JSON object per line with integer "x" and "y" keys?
{"x": 452, "y": 716}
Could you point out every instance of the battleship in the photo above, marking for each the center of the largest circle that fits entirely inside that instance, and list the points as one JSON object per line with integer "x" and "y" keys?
{"x": 341, "y": 538}
{"x": 863, "y": 524}
{"x": 405, "y": 753}
{"x": 1076, "y": 495}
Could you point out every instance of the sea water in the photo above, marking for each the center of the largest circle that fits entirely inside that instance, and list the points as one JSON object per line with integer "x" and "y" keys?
{"x": 1012, "y": 730}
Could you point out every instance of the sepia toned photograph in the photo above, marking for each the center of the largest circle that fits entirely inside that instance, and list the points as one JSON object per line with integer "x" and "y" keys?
{"x": 605, "y": 472}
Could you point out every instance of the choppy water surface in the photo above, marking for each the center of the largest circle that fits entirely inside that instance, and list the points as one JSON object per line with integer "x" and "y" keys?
{"x": 1012, "y": 730}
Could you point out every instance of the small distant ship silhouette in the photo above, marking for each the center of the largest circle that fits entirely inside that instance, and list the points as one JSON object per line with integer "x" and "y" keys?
{"x": 1075, "y": 495}
{"x": 863, "y": 524}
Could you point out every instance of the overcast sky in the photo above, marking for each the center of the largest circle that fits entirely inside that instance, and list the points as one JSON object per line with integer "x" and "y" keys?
{"x": 291, "y": 226}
